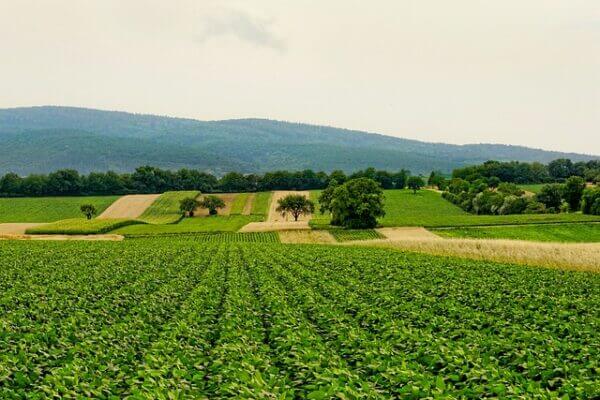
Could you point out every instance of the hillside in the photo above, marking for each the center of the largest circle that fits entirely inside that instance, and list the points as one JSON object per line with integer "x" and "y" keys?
{"x": 43, "y": 139}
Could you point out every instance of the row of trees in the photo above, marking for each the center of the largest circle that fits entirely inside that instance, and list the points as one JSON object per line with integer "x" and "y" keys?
{"x": 521, "y": 172}
{"x": 483, "y": 197}
{"x": 149, "y": 179}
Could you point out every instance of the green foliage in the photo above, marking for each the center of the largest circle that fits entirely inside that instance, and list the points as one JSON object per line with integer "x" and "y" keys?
{"x": 166, "y": 208}
{"x": 550, "y": 196}
{"x": 188, "y": 205}
{"x": 261, "y": 204}
{"x": 49, "y": 209}
{"x": 572, "y": 192}
{"x": 88, "y": 210}
{"x": 212, "y": 203}
{"x": 346, "y": 235}
{"x": 357, "y": 204}
{"x": 239, "y": 202}
{"x": 175, "y": 319}
{"x": 544, "y": 233}
{"x": 415, "y": 183}
{"x": 296, "y": 205}
{"x": 81, "y": 226}
{"x": 510, "y": 188}
{"x": 590, "y": 203}
{"x": 217, "y": 223}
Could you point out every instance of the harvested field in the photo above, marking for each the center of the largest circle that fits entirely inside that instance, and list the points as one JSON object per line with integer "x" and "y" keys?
{"x": 300, "y": 236}
{"x": 228, "y": 198}
{"x": 275, "y": 226}
{"x": 274, "y": 216}
{"x": 129, "y": 207}
{"x": 407, "y": 233}
{"x": 16, "y": 229}
{"x": 249, "y": 204}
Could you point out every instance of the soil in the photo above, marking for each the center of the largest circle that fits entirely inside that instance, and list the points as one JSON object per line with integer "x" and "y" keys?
{"x": 129, "y": 207}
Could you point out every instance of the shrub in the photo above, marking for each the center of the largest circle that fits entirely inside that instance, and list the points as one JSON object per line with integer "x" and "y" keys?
{"x": 590, "y": 202}
{"x": 572, "y": 192}
{"x": 550, "y": 196}
{"x": 535, "y": 207}
{"x": 510, "y": 188}
{"x": 513, "y": 205}
{"x": 487, "y": 202}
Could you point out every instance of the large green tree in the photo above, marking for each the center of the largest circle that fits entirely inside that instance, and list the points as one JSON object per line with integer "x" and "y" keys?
{"x": 296, "y": 205}
{"x": 357, "y": 203}
{"x": 213, "y": 203}
{"x": 188, "y": 205}
{"x": 572, "y": 192}
{"x": 550, "y": 196}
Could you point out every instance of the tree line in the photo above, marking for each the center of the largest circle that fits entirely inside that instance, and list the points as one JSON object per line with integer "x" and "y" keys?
{"x": 148, "y": 179}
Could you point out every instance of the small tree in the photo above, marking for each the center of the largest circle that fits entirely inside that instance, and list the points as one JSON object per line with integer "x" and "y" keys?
{"x": 188, "y": 205}
{"x": 88, "y": 210}
{"x": 572, "y": 192}
{"x": 212, "y": 203}
{"x": 550, "y": 196}
{"x": 295, "y": 204}
{"x": 415, "y": 183}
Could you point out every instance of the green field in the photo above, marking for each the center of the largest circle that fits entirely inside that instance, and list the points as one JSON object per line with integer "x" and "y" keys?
{"x": 427, "y": 208}
{"x": 48, "y": 209}
{"x": 81, "y": 226}
{"x": 178, "y": 318}
{"x": 217, "y": 223}
{"x": 239, "y": 202}
{"x": 544, "y": 233}
{"x": 226, "y": 237}
{"x": 533, "y": 188}
{"x": 165, "y": 209}
{"x": 261, "y": 204}
{"x": 346, "y": 235}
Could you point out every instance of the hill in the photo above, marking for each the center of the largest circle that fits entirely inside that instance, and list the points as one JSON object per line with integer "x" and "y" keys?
{"x": 43, "y": 139}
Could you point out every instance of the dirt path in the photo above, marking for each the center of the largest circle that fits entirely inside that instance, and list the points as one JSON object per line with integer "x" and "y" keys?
{"x": 130, "y": 206}
{"x": 226, "y": 197}
{"x": 249, "y": 203}
{"x": 16, "y": 228}
{"x": 274, "y": 216}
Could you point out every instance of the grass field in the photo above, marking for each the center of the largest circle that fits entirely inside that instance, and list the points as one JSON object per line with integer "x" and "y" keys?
{"x": 344, "y": 235}
{"x": 261, "y": 203}
{"x": 427, "y": 208}
{"x": 533, "y": 188}
{"x": 544, "y": 233}
{"x": 164, "y": 318}
{"x": 218, "y": 223}
{"x": 165, "y": 209}
{"x": 81, "y": 226}
{"x": 238, "y": 203}
{"x": 49, "y": 209}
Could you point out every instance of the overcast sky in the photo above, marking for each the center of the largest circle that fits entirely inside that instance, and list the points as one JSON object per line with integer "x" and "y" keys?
{"x": 462, "y": 71}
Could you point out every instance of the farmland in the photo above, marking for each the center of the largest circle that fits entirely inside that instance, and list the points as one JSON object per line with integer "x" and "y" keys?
{"x": 346, "y": 235}
{"x": 164, "y": 318}
{"x": 165, "y": 209}
{"x": 545, "y": 233}
{"x": 49, "y": 209}
{"x": 217, "y": 223}
{"x": 81, "y": 226}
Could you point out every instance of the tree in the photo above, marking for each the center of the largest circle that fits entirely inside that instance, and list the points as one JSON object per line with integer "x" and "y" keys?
{"x": 415, "y": 183}
{"x": 188, "y": 206}
{"x": 357, "y": 204}
{"x": 590, "y": 203}
{"x": 550, "y": 196}
{"x": 88, "y": 210}
{"x": 560, "y": 169}
{"x": 212, "y": 203}
{"x": 572, "y": 192}
{"x": 436, "y": 178}
{"x": 295, "y": 204}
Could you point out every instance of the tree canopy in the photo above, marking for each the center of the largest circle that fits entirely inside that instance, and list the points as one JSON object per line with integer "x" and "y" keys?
{"x": 296, "y": 205}
{"x": 356, "y": 204}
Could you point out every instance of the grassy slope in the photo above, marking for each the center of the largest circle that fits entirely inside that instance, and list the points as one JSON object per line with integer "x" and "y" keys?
{"x": 81, "y": 226}
{"x": 545, "y": 233}
{"x": 219, "y": 223}
{"x": 239, "y": 201}
{"x": 165, "y": 209}
{"x": 427, "y": 208}
{"x": 49, "y": 209}
{"x": 261, "y": 203}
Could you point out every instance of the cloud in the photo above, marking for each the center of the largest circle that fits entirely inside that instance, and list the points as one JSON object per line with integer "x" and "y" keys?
{"x": 242, "y": 26}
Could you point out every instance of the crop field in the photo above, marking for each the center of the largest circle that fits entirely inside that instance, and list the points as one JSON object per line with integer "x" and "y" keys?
{"x": 261, "y": 203}
{"x": 81, "y": 226}
{"x": 164, "y": 318}
{"x": 428, "y": 208}
{"x": 227, "y": 237}
{"x": 238, "y": 204}
{"x": 165, "y": 209}
{"x": 49, "y": 209}
{"x": 343, "y": 235}
{"x": 217, "y": 223}
{"x": 544, "y": 233}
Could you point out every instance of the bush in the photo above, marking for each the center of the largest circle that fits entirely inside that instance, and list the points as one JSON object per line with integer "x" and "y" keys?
{"x": 487, "y": 202}
{"x": 590, "y": 201}
{"x": 535, "y": 207}
{"x": 513, "y": 205}
{"x": 572, "y": 192}
{"x": 550, "y": 196}
{"x": 510, "y": 188}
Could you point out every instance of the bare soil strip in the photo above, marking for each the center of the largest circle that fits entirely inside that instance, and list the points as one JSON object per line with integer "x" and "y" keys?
{"x": 16, "y": 228}
{"x": 129, "y": 207}
{"x": 226, "y": 197}
{"x": 249, "y": 203}
{"x": 407, "y": 233}
{"x": 300, "y": 236}
{"x": 105, "y": 237}
{"x": 274, "y": 216}
{"x": 274, "y": 226}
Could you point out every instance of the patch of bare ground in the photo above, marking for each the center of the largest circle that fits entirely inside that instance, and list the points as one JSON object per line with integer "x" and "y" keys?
{"x": 275, "y": 216}
{"x": 274, "y": 226}
{"x": 302, "y": 236}
{"x": 573, "y": 256}
{"x": 129, "y": 207}
{"x": 16, "y": 228}
{"x": 406, "y": 233}
{"x": 249, "y": 203}
{"x": 104, "y": 237}
{"x": 226, "y": 197}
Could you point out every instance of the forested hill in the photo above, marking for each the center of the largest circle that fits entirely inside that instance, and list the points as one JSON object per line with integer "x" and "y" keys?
{"x": 43, "y": 139}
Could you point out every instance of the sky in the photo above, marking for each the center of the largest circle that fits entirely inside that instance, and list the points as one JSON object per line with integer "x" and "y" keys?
{"x": 521, "y": 72}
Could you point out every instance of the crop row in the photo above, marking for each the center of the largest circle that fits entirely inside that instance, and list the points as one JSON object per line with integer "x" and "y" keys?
{"x": 169, "y": 318}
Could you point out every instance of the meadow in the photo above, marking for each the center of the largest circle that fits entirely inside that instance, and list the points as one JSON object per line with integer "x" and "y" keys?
{"x": 261, "y": 204}
{"x": 217, "y": 223}
{"x": 164, "y": 318}
{"x": 427, "y": 208}
{"x": 165, "y": 209}
{"x": 81, "y": 226}
{"x": 533, "y": 188}
{"x": 544, "y": 233}
{"x": 49, "y": 209}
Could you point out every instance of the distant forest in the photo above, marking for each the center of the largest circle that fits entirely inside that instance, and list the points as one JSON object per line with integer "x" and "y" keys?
{"x": 149, "y": 179}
